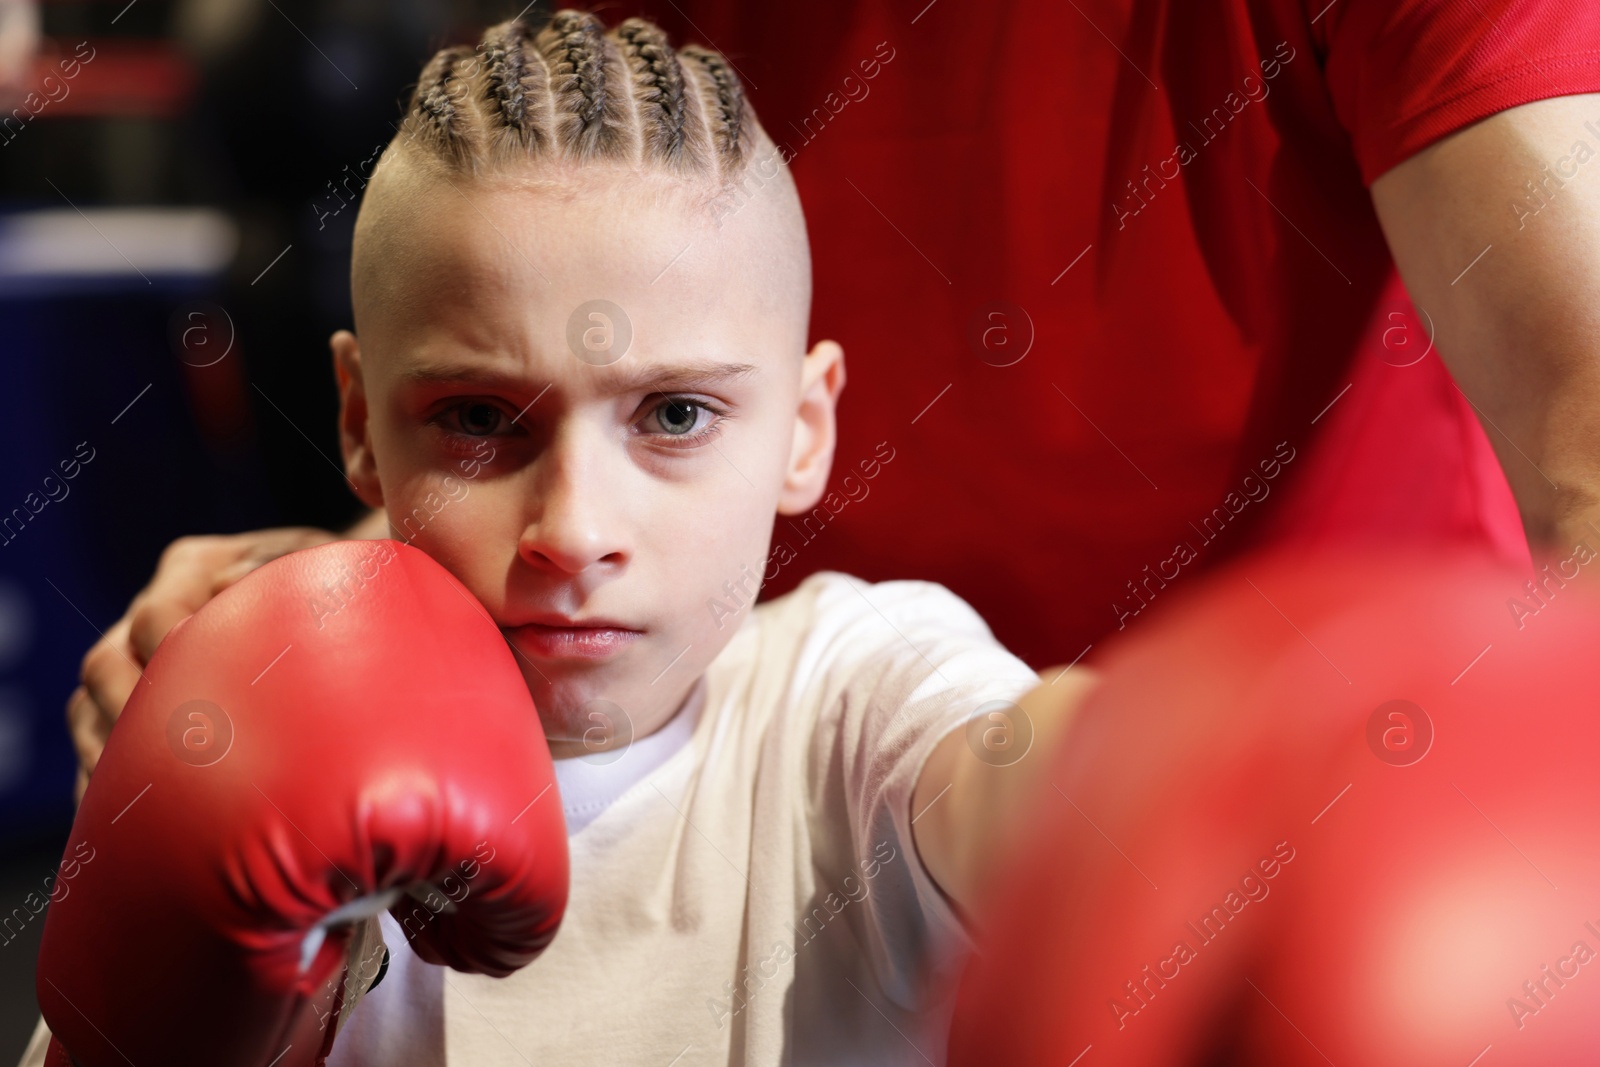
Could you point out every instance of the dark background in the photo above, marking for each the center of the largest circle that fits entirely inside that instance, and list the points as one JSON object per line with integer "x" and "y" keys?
{"x": 235, "y": 107}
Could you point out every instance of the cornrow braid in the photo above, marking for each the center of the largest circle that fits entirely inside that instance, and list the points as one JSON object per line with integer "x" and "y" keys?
{"x": 590, "y": 113}
{"x": 664, "y": 106}
{"x": 725, "y": 99}
{"x": 572, "y": 91}
{"x": 516, "y": 90}
{"x": 436, "y": 117}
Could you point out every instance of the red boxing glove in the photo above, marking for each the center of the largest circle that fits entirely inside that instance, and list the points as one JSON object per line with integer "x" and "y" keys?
{"x": 343, "y": 725}
{"x": 1324, "y": 812}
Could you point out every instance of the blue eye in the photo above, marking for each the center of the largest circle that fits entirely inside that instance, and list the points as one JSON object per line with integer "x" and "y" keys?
{"x": 678, "y": 416}
{"x": 683, "y": 421}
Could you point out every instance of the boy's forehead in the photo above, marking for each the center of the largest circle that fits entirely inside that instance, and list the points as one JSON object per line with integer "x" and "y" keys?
{"x": 433, "y": 245}
{"x": 535, "y": 230}
{"x": 505, "y": 332}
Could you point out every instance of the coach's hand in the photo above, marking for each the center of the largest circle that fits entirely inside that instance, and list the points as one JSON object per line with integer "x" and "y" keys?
{"x": 192, "y": 571}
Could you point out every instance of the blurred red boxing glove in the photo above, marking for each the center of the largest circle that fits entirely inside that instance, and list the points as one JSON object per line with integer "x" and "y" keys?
{"x": 1324, "y": 812}
{"x": 343, "y": 726}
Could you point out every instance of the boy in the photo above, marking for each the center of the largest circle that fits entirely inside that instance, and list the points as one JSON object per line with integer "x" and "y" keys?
{"x": 579, "y": 381}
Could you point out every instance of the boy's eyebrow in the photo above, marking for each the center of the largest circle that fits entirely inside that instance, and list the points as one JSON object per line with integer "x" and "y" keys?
{"x": 654, "y": 377}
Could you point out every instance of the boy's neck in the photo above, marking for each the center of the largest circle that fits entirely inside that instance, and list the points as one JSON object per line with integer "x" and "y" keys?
{"x": 691, "y": 704}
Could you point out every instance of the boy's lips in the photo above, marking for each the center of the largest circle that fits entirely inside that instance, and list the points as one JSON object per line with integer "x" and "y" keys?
{"x": 561, "y": 637}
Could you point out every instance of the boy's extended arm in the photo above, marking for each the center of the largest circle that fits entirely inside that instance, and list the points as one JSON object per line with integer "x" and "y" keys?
{"x": 968, "y": 812}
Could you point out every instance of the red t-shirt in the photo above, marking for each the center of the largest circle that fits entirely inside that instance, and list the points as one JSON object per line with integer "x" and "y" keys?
{"x": 1170, "y": 199}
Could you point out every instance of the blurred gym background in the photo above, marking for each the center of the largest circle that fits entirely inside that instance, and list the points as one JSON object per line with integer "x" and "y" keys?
{"x": 178, "y": 186}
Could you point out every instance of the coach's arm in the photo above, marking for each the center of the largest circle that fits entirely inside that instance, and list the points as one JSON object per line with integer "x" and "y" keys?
{"x": 1510, "y": 277}
{"x": 1511, "y": 284}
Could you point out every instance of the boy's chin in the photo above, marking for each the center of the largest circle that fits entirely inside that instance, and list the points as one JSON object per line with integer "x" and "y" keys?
{"x": 577, "y": 722}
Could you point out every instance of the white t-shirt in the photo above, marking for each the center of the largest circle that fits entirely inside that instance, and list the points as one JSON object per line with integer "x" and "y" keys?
{"x": 744, "y": 885}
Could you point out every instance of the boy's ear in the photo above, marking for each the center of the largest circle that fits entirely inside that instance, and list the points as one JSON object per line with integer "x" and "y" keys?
{"x": 815, "y": 433}
{"x": 355, "y": 436}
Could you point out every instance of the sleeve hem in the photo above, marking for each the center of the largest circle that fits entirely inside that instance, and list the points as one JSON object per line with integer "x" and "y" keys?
{"x": 1529, "y": 82}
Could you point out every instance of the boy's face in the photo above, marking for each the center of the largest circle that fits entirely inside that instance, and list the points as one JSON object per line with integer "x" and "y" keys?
{"x": 604, "y": 477}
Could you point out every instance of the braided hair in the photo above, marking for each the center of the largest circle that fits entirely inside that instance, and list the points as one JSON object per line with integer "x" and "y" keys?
{"x": 576, "y": 92}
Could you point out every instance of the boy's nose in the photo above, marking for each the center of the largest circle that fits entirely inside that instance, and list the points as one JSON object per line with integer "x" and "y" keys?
{"x": 572, "y": 527}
